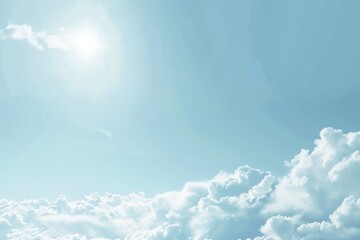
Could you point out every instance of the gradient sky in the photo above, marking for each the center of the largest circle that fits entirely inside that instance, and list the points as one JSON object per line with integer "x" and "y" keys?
{"x": 179, "y": 91}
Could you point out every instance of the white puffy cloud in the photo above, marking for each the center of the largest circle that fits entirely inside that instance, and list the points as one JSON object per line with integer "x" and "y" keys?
{"x": 343, "y": 223}
{"x": 39, "y": 40}
{"x": 319, "y": 180}
{"x": 200, "y": 210}
{"x": 319, "y": 196}
{"x": 317, "y": 199}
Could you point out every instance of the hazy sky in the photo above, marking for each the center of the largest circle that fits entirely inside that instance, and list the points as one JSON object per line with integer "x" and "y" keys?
{"x": 129, "y": 96}
{"x": 179, "y": 120}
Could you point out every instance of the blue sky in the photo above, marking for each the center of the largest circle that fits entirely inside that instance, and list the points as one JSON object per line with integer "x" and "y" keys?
{"x": 178, "y": 91}
{"x": 153, "y": 120}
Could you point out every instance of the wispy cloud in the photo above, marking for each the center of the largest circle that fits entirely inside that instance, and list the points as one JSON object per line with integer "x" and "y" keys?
{"x": 53, "y": 41}
{"x": 39, "y": 40}
{"x": 318, "y": 198}
{"x": 103, "y": 132}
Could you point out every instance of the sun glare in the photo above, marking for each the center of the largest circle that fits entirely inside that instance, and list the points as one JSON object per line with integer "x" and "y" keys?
{"x": 87, "y": 44}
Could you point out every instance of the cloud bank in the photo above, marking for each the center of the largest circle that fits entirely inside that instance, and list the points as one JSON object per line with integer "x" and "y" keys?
{"x": 39, "y": 40}
{"x": 317, "y": 199}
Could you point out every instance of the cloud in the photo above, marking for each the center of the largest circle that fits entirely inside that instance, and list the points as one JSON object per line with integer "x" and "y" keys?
{"x": 53, "y": 41}
{"x": 103, "y": 132}
{"x": 317, "y": 198}
{"x": 39, "y": 40}
{"x": 343, "y": 223}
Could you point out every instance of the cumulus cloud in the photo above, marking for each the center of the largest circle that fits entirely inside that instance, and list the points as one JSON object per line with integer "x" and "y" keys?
{"x": 39, "y": 40}
{"x": 316, "y": 199}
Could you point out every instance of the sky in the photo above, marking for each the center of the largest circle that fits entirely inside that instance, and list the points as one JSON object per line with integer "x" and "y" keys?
{"x": 137, "y": 103}
{"x": 184, "y": 88}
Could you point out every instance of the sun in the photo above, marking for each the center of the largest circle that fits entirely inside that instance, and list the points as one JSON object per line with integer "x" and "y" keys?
{"x": 87, "y": 44}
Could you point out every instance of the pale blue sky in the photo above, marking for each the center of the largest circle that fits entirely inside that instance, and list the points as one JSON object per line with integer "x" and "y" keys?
{"x": 180, "y": 91}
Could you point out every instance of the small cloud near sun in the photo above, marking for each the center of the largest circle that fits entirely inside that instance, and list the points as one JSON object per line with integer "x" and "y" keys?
{"x": 84, "y": 44}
